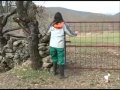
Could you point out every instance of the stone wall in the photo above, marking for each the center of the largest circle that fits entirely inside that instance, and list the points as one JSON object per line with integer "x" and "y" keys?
{"x": 16, "y": 52}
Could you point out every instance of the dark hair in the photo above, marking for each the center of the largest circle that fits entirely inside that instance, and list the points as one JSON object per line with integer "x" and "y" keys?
{"x": 58, "y": 18}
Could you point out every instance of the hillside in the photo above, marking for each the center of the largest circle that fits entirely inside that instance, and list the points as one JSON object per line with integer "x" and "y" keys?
{"x": 72, "y": 15}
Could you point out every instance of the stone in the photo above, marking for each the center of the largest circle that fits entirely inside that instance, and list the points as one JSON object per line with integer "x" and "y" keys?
{"x": 9, "y": 55}
{"x": 1, "y": 58}
{"x": 42, "y": 44}
{"x": 8, "y": 50}
{"x": 43, "y": 48}
{"x": 17, "y": 43}
{"x": 47, "y": 59}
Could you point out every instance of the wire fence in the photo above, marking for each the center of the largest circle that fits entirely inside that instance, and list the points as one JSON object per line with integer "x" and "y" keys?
{"x": 97, "y": 45}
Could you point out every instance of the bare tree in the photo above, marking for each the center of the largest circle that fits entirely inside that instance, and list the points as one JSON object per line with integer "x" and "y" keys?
{"x": 6, "y": 6}
{"x": 1, "y": 7}
{"x": 26, "y": 18}
{"x": 4, "y": 15}
{"x": 3, "y": 21}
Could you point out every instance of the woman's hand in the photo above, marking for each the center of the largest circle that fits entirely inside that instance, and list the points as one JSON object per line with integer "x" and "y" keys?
{"x": 76, "y": 32}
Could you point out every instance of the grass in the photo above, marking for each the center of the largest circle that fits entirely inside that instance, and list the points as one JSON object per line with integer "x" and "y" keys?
{"x": 30, "y": 79}
{"x": 37, "y": 79}
{"x": 29, "y": 74}
{"x": 93, "y": 39}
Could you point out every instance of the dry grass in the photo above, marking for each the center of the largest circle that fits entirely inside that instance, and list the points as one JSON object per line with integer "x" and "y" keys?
{"x": 26, "y": 78}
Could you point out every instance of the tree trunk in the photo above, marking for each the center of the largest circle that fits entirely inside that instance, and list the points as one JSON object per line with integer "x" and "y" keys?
{"x": 27, "y": 20}
{"x": 33, "y": 41}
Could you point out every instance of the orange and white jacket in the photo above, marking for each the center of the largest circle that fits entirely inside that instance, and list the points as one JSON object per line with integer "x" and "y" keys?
{"x": 57, "y": 34}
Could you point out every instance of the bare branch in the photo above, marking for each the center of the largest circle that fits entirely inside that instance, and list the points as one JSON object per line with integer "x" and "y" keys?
{"x": 1, "y": 7}
{"x": 6, "y": 18}
{"x": 9, "y": 30}
{"x": 20, "y": 23}
{"x": 12, "y": 35}
{"x": 19, "y": 4}
{"x": 24, "y": 29}
{"x": 21, "y": 10}
{"x": 27, "y": 4}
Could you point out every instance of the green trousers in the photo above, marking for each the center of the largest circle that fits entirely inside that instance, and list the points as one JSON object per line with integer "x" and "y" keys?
{"x": 57, "y": 55}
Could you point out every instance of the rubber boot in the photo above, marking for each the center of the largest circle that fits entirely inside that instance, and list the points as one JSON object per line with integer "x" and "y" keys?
{"x": 55, "y": 69}
{"x": 61, "y": 70}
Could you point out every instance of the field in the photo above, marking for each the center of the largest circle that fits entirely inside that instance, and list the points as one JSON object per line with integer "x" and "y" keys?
{"x": 102, "y": 55}
{"x": 104, "y": 38}
{"x": 85, "y": 66}
{"x": 26, "y": 78}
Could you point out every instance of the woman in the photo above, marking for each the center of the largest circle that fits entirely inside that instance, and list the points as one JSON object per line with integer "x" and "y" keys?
{"x": 57, "y": 29}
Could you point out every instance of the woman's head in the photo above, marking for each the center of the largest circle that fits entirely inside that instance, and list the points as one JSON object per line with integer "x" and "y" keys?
{"x": 58, "y": 17}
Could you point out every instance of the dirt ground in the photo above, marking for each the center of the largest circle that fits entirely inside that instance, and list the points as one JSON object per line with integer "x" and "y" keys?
{"x": 77, "y": 77}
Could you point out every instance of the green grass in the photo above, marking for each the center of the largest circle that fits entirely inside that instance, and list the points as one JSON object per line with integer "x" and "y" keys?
{"x": 104, "y": 38}
{"x": 30, "y": 74}
{"x": 30, "y": 78}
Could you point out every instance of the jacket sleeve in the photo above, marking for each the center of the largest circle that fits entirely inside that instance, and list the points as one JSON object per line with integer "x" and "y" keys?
{"x": 46, "y": 37}
{"x": 49, "y": 31}
{"x": 68, "y": 31}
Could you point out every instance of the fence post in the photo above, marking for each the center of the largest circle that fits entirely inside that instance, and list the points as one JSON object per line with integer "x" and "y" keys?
{"x": 65, "y": 48}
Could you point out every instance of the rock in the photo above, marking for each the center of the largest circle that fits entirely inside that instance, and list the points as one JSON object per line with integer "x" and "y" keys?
{"x": 0, "y": 52}
{"x": 16, "y": 56}
{"x": 47, "y": 52}
{"x": 15, "y": 48}
{"x": 45, "y": 39}
{"x": 1, "y": 58}
{"x": 8, "y": 50}
{"x": 42, "y": 44}
{"x": 42, "y": 54}
{"x": 39, "y": 35}
{"x": 18, "y": 53}
{"x": 4, "y": 49}
{"x": 47, "y": 59}
{"x": 9, "y": 55}
{"x": 27, "y": 63}
{"x": 17, "y": 43}
{"x": 42, "y": 48}
{"x": 10, "y": 43}
{"x": 45, "y": 65}
{"x": 26, "y": 45}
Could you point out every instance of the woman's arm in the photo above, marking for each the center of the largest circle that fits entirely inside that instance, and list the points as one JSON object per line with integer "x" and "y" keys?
{"x": 47, "y": 35}
{"x": 68, "y": 31}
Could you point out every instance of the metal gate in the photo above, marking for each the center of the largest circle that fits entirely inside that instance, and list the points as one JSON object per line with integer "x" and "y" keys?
{"x": 97, "y": 45}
